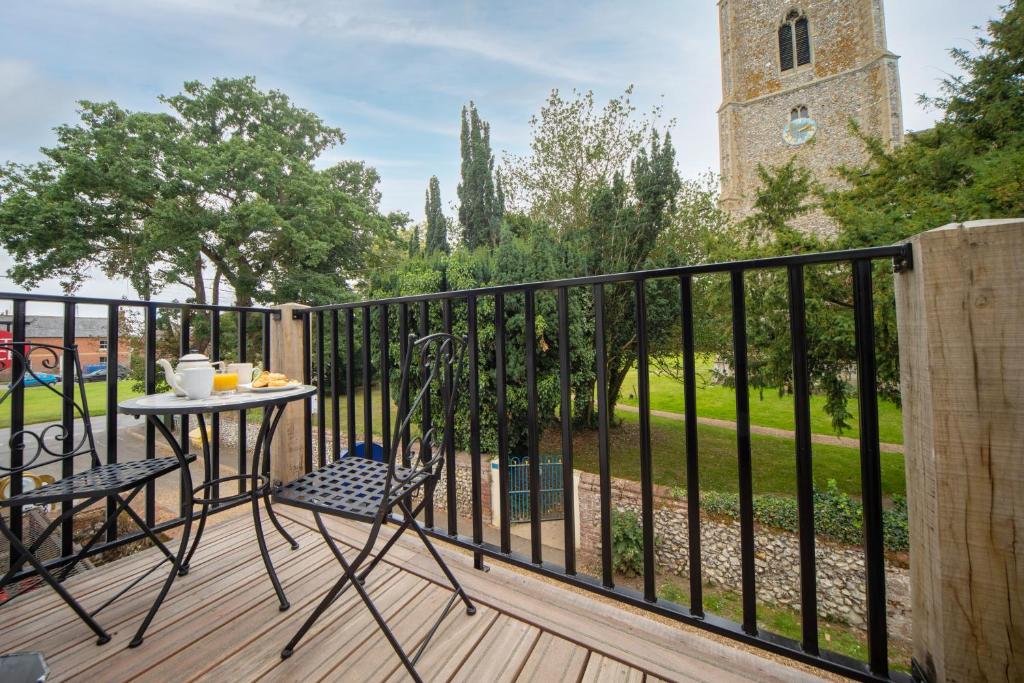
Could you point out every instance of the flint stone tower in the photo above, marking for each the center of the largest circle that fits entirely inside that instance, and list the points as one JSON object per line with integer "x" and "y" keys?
{"x": 793, "y": 76}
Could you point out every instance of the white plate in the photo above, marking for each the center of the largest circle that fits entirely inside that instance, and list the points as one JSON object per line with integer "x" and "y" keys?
{"x": 267, "y": 390}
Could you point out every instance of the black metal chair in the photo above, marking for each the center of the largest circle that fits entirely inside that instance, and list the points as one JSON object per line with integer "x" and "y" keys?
{"x": 41, "y": 446}
{"x": 365, "y": 490}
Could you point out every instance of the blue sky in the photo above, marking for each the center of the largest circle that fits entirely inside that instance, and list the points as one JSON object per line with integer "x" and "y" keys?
{"x": 394, "y": 75}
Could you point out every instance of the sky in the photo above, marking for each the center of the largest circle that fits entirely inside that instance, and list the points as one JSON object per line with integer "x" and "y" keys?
{"x": 394, "y": 74}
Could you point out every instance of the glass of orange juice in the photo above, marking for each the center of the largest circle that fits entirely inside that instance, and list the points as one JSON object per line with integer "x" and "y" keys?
{"x": 224, "y": 382}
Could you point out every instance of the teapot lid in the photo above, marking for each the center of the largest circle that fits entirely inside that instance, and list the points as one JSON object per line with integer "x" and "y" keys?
{"x": 194, "y": 356}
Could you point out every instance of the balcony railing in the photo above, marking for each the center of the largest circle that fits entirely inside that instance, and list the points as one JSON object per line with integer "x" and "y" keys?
{"x": 384, "y": 327}
{"x": 115, "y": 309}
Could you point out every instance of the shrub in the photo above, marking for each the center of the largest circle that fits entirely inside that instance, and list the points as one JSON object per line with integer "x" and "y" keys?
{"x": 837, "y": 516}
{"x": 627, "y": 543}
{"x": 896, "y": 526}
{"x": 716, "y": 503}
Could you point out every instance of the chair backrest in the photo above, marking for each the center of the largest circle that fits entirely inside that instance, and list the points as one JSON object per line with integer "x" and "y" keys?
{"x": 437, "y": 359}
{"x": 49, "y": 442}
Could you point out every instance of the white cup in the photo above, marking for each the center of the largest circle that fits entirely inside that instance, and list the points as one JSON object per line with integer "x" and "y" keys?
{"x": 245, "y": 371}
{"x": 197, "y": 383}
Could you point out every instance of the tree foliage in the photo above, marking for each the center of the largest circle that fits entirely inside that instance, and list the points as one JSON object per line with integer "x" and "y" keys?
{"x": 226, "y": 179}
{"x": 481, "y": 200}
{"x": 437, "y": 223}
{"x": 575, "y": 150}
{"x": 969, "y": 166}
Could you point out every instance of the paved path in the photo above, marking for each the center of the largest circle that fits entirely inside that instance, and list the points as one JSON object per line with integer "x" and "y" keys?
{"x": 826, "y": 439}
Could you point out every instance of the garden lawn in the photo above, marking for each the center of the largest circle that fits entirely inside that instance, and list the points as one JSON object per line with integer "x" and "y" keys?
{"x": 42, "y": 405}
{"x": 845, "y": 640}
{"x": 773, "y": 458}
{"x": 767, "y": 408}
{"x": 343, "y": 415}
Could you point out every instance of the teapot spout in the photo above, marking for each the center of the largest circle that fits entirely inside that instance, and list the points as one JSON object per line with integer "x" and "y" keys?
{"x": 171, "y": 378}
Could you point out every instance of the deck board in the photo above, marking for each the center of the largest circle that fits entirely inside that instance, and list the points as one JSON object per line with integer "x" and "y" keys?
{"x": 607, "y": 670}
{"x": 221, "y": 622}
{"x": 554, "y": 659}
{"x": 501, "y": 653}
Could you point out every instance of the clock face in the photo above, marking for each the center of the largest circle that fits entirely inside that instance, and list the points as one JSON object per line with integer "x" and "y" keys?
{"x": 799, "y": 131}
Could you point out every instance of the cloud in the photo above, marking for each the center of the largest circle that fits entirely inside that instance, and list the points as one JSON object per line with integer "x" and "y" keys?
{"x": 521, "y": 53}
{"x": 373, "y": 22}
{"x": 33, "y": 105}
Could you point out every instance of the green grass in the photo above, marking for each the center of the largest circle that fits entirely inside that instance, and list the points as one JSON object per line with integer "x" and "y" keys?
{"x": 784, "y": 621}
{"x": 767, "y": 408}
{"x": 43, "y": 405}
{"x": 773, "y": 458}
{"x": 328, "y": 415}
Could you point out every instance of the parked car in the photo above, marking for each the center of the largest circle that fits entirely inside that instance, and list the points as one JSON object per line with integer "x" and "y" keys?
{"x": 99, "y": 374}
{"x": 39, "y": 379}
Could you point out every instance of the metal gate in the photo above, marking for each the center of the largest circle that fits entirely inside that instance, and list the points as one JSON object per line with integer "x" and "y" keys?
{"x": 551, "y": 490}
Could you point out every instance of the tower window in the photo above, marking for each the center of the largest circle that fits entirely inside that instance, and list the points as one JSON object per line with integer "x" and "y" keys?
{"x": 786, "y": 46}
{"x": 798, "y": 113}
{"x": 794, "y": 41}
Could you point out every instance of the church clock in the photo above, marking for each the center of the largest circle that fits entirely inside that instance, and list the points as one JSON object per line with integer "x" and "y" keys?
{"x": 798, "y": 131}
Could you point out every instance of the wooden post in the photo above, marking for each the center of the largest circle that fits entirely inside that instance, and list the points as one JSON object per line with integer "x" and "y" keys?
{"x": 961, "y": 332}
{"x": 286, "y": 452}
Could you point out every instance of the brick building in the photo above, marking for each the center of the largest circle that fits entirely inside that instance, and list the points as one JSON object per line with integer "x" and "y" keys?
{"x": 90, "y": 336}
{"x": 794, "y": 74}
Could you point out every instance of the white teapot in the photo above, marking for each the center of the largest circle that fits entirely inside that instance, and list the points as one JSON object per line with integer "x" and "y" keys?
{"x": 186, "y": 362}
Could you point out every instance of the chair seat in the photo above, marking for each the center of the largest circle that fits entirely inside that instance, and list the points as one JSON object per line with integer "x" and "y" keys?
{"x": 350, "y": 487}
{"x": 97, "y": 482}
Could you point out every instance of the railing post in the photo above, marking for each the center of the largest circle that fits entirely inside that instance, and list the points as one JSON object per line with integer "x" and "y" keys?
{"x": 961, "y": 335}
{"x": 286, "y": 356}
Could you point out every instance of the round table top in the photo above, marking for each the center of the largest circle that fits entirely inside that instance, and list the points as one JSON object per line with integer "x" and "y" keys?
{"x": 169, "y": 404}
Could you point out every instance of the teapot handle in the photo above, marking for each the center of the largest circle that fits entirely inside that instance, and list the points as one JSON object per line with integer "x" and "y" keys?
{"x": 218, "y": 363}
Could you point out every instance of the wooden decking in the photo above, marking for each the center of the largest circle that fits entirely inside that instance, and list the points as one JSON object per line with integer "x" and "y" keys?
{"x": 222, "y": 623}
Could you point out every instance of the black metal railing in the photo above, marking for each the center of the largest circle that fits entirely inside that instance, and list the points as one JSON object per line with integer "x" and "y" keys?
{"x": 419, "y": 313}
{"x": 150, "y": 334}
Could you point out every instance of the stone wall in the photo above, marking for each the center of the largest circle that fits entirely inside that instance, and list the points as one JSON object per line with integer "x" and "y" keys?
{"x": 777, "y": 567}
{"x": 464, "y": 488}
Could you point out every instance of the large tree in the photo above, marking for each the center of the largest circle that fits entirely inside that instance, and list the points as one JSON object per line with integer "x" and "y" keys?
{"x": 224, "y": 183}
{"x": 437, "y": 223}
{"x": 480, "y": 210}
{"x": 575, "y": 150}
{"x": 627, "y": 220}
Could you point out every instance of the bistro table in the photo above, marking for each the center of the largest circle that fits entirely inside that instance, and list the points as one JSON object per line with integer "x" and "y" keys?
{"x": 156, "y": 406}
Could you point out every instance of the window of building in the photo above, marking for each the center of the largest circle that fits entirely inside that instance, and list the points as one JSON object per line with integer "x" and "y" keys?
{"x": 798, "y": 113}
{"x": 103, "y": 359}
{"x": 103, "y": 344}
{"x": 794, "y": 41}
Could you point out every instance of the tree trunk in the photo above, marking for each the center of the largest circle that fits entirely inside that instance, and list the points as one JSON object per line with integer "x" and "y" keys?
{"x": 617, "y": 372}
{"x": 216, "y": 288}
{"x": 198, "y": 286}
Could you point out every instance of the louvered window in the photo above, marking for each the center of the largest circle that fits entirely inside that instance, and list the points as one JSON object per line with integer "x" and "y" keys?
{"x": 803, "y": 42}
{"x": 786, "y": 46}
{"x": 794, "y": 42}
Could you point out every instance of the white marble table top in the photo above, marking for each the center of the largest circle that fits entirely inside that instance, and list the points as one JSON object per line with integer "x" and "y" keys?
{"x": 169, "y": 404}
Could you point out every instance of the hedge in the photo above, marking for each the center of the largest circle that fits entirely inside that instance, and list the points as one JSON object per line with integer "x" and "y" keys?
{"x": 836, "y": 516}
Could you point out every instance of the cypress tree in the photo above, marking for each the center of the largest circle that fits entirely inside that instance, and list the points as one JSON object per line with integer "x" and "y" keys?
{"x": 414, "y": 242}
{"x": 479, "y": 210}
{"x": 437, "y": 224}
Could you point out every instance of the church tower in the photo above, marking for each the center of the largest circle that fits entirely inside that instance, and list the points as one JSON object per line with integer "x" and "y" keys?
{"x": 794, "y": 73}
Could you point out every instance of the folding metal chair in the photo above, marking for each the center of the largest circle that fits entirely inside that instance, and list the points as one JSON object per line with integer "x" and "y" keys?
{"x": 365, "y": 490}
{"x": 39, "y": 446}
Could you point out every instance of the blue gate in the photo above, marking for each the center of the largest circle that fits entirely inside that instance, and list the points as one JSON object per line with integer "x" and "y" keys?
{"x": 551, "y": 490}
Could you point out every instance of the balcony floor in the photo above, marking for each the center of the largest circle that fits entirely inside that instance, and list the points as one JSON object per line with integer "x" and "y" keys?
{"x": 221, "y": 622}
